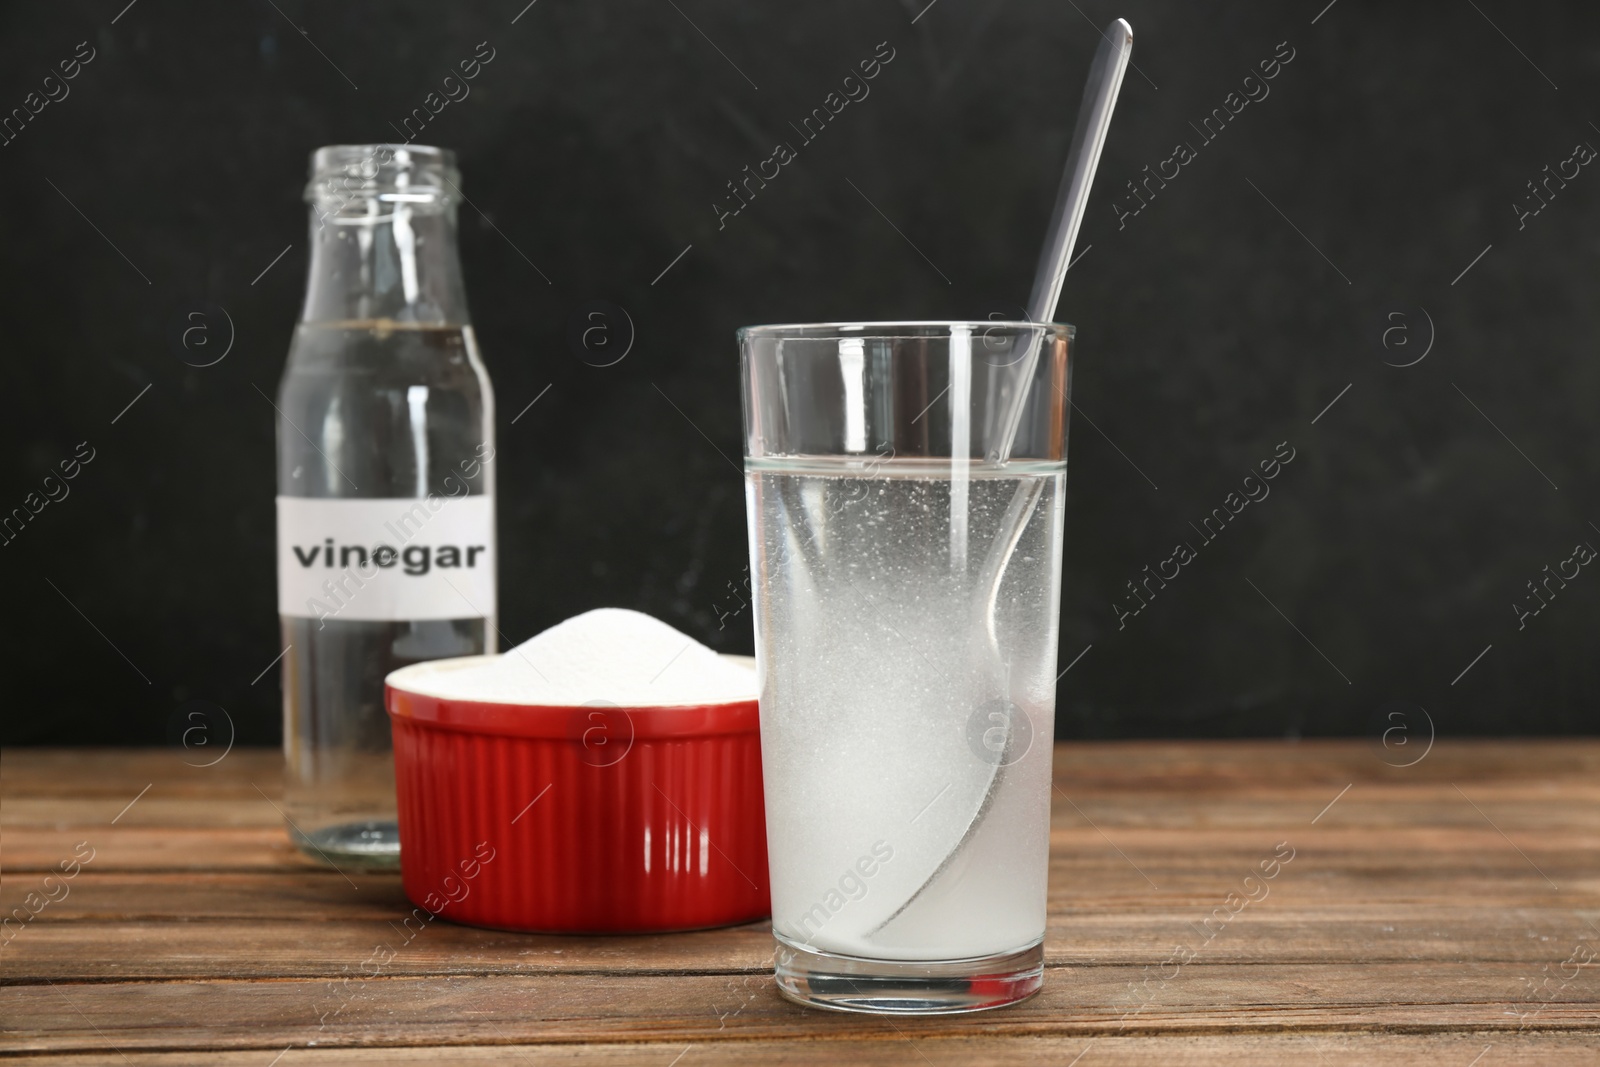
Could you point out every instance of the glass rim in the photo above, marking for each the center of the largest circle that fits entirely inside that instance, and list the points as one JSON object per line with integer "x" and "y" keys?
{"x": 889, "y": 328}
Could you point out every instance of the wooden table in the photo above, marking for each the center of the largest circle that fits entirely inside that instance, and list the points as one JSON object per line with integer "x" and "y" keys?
{"x": 1445, "y": 913}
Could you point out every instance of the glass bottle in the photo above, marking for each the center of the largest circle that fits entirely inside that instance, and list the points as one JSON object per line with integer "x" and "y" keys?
{"x": 386, "y": 539}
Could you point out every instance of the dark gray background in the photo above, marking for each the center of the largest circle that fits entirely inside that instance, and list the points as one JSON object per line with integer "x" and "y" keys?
{"x": 1215, "y": 324}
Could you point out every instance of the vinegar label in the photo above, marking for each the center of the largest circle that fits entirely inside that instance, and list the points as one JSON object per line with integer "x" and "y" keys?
{"x": 386, "y": 559}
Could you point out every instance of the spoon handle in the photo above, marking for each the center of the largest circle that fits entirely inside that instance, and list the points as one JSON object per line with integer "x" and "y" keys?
{"x": 1094, "y": 119}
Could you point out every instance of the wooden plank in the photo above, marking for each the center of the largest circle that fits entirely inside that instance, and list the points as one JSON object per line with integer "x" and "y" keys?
{"x": 1097, "y": 881}
{"x": 134, "y": 847}
{"x": 1260, "y": 763}
{"x": 92, "y": 951}
{"x": 301, "y": 895}
{"x": 1488, "y": 1049}
{"x": 1079, "y": 885}
{"x": 95, "y": 951}
{"x": 1417, "y": 997}
{"x": 113, "y": 773}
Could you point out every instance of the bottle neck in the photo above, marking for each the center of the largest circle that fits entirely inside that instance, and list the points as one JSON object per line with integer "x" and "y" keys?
{"x": 383, "y": 255}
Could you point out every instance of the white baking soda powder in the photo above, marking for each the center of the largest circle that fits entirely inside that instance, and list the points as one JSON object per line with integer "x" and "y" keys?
{"x": 613, "y": 655}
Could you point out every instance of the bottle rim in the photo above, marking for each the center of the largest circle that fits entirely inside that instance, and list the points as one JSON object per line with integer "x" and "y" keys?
{"x": 384, "y": 172}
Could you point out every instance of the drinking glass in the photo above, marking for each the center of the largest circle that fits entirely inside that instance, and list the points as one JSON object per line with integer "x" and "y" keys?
{"x": 904, "y": 485}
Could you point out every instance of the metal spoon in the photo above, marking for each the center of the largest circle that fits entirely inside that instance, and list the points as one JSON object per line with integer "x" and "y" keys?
{"x": 1072, "y": 198}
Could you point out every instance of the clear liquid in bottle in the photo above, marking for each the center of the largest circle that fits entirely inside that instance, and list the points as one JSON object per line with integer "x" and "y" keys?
{"x": 386, "y": 547}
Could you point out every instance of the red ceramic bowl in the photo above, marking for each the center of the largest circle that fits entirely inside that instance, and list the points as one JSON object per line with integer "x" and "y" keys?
{"x": 579, "y": 819}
